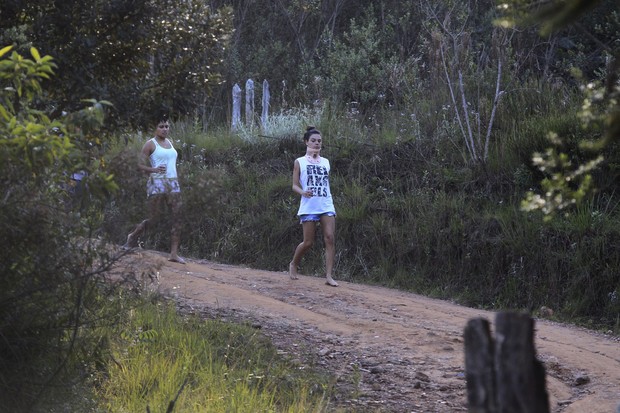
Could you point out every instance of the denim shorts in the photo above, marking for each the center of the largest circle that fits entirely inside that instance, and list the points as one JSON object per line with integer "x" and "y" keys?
{"x": 314, "y": 217}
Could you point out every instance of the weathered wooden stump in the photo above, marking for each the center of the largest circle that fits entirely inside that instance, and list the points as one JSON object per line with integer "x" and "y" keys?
{"x": 503, "y": 374}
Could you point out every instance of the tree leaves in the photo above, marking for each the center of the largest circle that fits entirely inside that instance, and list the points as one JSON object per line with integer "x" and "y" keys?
{"x": 567, "y": 184}
{"x": 137, "y": 54}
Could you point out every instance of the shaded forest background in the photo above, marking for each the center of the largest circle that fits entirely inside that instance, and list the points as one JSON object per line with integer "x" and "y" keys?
{"x": 470, "y": 158}
{"x": 375, "y": 55}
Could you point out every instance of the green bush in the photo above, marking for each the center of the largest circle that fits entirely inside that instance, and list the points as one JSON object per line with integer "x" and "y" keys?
{"x": 52, "y": 265}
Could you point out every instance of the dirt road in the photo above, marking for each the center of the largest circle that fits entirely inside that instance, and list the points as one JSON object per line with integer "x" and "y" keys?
{"x": 391, "y": 351}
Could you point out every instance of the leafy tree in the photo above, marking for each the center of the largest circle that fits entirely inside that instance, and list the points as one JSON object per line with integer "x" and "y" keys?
{"x": 291, "y": 51}
{"x": 50, "y": 270}
{"x": 138, "y": 54}
{"x": 367, "y": 59}
{"x": 568, "y": 182}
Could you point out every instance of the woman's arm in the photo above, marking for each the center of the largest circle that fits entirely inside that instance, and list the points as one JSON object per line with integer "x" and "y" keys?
{"x": 296, "y": 182}
{"x": 145, "y": 154}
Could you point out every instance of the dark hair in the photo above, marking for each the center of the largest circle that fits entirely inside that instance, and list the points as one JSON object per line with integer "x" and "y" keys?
{"x": 161, "y": 118}
{"x": 311, "y": 130}
{"x": 160, "y": 113}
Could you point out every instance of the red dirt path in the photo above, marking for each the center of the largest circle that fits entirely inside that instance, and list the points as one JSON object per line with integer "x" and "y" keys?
{"x": 391, "y": 351}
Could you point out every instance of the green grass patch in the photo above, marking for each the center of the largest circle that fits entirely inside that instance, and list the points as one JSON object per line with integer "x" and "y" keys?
{"x": 158, "y": 357}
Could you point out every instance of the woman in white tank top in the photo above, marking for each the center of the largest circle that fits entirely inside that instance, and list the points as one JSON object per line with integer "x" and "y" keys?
{"x": 162, "y": 187}
{"x": 311, "y": 182}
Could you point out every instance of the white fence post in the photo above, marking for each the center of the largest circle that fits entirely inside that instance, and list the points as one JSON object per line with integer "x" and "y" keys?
{"x": 265, "y": 113}
{"x": 236, "y": 113}
{"x": 249, "y": 103}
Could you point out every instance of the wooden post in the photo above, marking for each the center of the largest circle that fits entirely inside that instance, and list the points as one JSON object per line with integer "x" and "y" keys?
{"x": 479, "y": 371}
{"x": 503, "y": 375}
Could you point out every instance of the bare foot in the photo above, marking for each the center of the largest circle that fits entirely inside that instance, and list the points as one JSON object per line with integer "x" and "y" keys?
{"x": 292, "y": 271}
{"x": 177, "y": 259}
{"x": 330, "y": 281}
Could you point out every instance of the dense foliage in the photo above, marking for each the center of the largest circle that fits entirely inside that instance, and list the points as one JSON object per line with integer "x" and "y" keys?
{"x": 139, "y": 55}
{"x": 51, "y": 265}
{"x": 376, "y": 54}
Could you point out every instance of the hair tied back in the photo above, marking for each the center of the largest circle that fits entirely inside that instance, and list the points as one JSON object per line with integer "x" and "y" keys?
{"x": 311, "y": 130}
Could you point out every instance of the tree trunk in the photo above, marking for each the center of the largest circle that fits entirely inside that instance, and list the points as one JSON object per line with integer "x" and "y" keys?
{"x": 503, "y": 375}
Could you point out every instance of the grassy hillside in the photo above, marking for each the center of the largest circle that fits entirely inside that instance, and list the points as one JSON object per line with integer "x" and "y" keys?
{"x": 414, "y": 212}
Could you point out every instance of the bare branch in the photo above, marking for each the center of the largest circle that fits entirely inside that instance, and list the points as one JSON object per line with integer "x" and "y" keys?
{"x": 456, "y": 110}
{"x": 469, "y": 136}
{"x": 498, "y": 95}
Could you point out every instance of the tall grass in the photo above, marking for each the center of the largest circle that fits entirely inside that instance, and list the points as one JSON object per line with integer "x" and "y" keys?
{"x": 157, "y": 357}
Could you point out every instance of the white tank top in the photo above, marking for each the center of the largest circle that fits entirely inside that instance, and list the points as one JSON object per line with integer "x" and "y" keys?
{"x": 164, "y": 156}
{"x": 315, "y": 177}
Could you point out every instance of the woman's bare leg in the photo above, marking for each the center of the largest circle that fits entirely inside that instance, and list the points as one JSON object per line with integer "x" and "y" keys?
{"x": 309, "y": 229}
{"x": 154, "y": 205}
{"x": 132, "y": 237}
{"x": 175, "y": 233}
{"x": 328, "y": 226}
